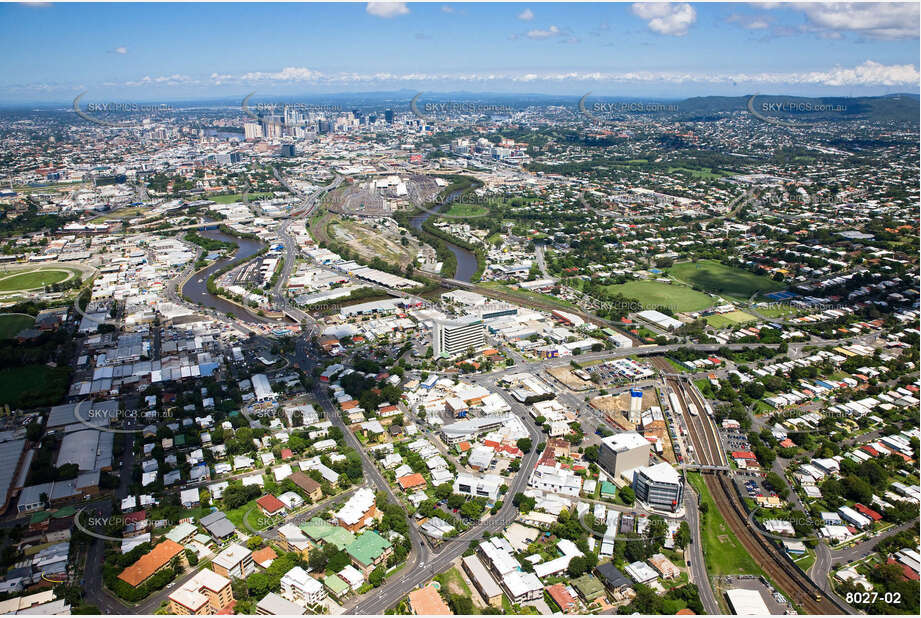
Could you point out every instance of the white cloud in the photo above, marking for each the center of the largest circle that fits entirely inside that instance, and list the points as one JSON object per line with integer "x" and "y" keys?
{"x": 867, "y": 74}
{"x": 387, "y": 9}
{"x": 539, "y": 35}
{"x": 666, "y": 18}
{"x": 870, "y": 73}
{"x": 120, "y": 50}
{"x": 526, "y": 15}
{"x": 447, "y": 8}
{"x": 287, "y": 74}
{"x": 749, "y": 22}
{"x": 881, "y": 20}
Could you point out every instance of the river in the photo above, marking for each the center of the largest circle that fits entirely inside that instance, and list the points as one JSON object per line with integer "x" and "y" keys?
{"x": 466, "y": 260}
{"x": 196, "y": 288}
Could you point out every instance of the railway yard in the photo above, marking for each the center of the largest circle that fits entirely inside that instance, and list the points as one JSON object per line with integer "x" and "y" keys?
{"x": 710, "y": 457}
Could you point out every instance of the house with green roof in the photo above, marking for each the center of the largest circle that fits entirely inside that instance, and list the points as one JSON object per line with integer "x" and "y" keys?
{"x": 608, "y": 489}
{"x": 182, "y": 533}
{"x": 589, "y": 587}
{"x": 336, "y": 586}
{"x": 316, "y": 529}
{"x": 369, "y": 550}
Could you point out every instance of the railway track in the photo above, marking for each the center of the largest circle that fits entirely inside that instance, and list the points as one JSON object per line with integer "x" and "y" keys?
{"x": 785, "y": 575}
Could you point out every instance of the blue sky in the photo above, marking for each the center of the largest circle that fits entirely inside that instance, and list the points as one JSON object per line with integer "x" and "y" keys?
{"x": 172, "y": 51}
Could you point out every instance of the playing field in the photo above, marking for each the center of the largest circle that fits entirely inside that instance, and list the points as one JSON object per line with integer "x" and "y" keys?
{"x": 31, "y": 279}
{"x": 729, "y": 319}
{"x": 653, "y": 294}
{"x": 725, "y": 280}
{"x": 466, "y": 210}
{"x": 12, "y": 323}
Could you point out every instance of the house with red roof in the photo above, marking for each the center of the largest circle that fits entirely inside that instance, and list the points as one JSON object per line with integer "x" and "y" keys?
{"x": 270, "y": 505}
{"x": 868, "y": 512}
{"x": 561, "y": 597}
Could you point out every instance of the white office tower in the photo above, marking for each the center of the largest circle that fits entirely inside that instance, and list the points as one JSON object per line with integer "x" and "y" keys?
{"x": 451, "y": 338}
{"x": 252, "y": 130}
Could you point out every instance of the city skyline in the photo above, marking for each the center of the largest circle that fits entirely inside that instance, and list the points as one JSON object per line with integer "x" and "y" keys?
{"x": 631, "y": 50}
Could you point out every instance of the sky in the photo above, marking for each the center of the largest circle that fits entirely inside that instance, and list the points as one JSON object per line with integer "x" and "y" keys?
{"x": 166, "y": 52}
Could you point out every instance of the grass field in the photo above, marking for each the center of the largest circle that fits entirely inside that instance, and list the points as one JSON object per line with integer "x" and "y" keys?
{"x": 31, "y": 279}
{"x": 238, "y": 197}
{"x": 123, "y": 213}
{"x": 33, "y": 386}
{"x": 725, "y": 280}
{"x": 656, "y": 293}
{"x": 12, "y": 323}
{"x": 706, "y": 174}
{"x": 466, "y": 210}
{"x": 723, "y": 552}
{"x": 729, "y": 319}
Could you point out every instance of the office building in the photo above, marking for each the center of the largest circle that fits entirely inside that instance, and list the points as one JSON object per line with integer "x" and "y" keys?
{"x": 622, "y": 452}
{"x": 252, "y": 130}
{"x": 451, "y": 338}
{"x": 660, "y": 486}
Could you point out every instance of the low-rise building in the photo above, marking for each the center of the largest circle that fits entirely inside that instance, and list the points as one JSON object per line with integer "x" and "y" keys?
{"x": 206, "y": 593}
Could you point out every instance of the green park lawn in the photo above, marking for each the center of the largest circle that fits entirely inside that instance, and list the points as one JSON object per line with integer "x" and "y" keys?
{"x": 729, "y": 319}
{"x": 466, "y": 210}
{"x": 724, "y": 280}
{"x": 656, "y": 293}
{"x": 33, "y": 385}
{"x": 12, "y": 323}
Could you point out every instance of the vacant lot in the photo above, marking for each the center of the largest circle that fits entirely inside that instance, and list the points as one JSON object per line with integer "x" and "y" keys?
{"x": 32, "y": 279}
{"x": 729, "y": 319}
{"x": 122, "y": 213}
{"x": 653, "y": 294}
{"x": 12, "y": 323}
{"x": 372, "y": 241}
{"x": 725, "y": 280}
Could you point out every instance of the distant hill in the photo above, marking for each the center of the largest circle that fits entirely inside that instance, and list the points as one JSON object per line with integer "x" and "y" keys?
{"x": 889, "y": 108}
